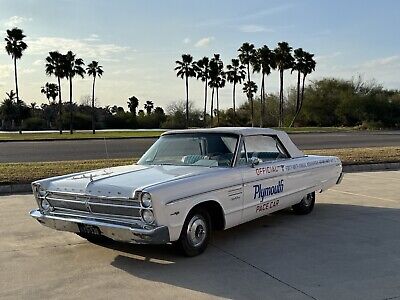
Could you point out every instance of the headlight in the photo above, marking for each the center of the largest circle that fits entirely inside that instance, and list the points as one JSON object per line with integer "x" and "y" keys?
{"x": 148, "y": 216}
{"x": 45, "y": 205}
{"x": 145, "y": 199}
{"x": 41, "y": 191}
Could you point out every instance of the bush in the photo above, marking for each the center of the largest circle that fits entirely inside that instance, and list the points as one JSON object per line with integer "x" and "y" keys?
{"x": 34, "y": 123}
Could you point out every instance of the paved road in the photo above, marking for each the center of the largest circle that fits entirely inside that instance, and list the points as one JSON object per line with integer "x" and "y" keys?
{"x": 118, "y": 148}
{"x": 348, "y": 248}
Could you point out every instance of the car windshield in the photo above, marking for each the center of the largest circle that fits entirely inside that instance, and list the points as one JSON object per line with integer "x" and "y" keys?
{"x": 199, "y": 149}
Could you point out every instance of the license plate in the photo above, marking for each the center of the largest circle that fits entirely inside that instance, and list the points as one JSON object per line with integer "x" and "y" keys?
{"x": 89, "y": 229}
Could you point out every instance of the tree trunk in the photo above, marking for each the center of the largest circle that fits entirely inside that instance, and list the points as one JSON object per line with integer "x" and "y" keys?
{"x": 250, "y": 98}
{"x": 71, "y": 128}
{"x": 252, "y": 112}
{"x": 16, "y": 78}
{"x": 297, "y": 100}
{"x": 234, "y": 101}
{"x": 93, "y": 111}
{"x": 212, "y": 107}
{"x": 59, "y": 106}
{"x": 262, "y": 102}
{"x": 302, "y": 92}
{"x": 187, "y": 101}
{"x": 205, "y": 104}
{"x": 300, "y": 100}
{"x": 16, "y": 91}
{"x": 281, "y": 99}
{"x": 217, "y": 106}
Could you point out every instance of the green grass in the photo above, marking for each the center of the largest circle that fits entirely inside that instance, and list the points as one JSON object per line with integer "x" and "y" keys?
{"x": 28, "y": 172}
{"x": 317, "y": 129}
{"x": 38, "y": 136}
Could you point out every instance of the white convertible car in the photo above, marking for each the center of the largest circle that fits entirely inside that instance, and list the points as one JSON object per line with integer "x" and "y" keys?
{"x": 188, "y": 183}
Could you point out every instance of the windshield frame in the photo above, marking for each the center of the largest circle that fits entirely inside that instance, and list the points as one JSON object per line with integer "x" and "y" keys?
{"x": 199, "y": 134}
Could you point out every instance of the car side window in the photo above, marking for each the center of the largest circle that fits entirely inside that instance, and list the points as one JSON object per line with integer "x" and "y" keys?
{"x": 242, "y": 155}
{"x": 264, "y": 147}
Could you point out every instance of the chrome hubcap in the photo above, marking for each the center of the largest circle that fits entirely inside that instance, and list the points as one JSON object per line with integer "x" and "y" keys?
{"x": 196, "y": 232}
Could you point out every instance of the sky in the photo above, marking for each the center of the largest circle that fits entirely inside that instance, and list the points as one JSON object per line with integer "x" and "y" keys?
{"x": 138, "y": 42}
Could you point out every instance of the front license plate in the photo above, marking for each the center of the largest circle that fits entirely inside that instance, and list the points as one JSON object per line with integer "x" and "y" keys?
{"x": 89, "y": 229}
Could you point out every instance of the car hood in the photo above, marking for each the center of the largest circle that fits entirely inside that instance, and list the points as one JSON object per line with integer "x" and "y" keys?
{"x": 119, "y": 181}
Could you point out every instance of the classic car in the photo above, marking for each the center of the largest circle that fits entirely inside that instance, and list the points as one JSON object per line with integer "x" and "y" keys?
{"x": 187, "y": 184}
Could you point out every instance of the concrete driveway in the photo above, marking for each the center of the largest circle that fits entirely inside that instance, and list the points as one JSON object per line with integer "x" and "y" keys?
{"x": 348, "y": 248}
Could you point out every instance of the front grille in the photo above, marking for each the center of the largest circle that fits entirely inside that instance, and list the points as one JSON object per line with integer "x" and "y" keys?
{"x": 95, "y": 206}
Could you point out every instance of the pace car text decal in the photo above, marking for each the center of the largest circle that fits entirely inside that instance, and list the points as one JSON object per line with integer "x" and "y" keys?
{"x": 267, "y": 205}
{"x": 261, "y": 192}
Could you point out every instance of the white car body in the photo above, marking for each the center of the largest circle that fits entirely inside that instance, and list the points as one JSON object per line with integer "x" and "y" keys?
{"x": 109, "y": 198}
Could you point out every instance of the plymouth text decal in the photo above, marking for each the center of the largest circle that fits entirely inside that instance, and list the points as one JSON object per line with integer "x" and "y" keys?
{"x": 261, "y": 192}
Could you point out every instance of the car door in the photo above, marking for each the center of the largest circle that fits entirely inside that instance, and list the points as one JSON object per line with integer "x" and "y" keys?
{"x": 262, "y": 164}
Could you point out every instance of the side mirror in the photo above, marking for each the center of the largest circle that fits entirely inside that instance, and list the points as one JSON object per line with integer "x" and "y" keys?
{"x": 254, "y": 161}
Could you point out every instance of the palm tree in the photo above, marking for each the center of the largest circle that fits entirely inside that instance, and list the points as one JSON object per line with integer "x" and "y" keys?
{"x": 250, "y": 89}
{"x": 14, "y": 47}
{"x": 186, "y": 68}
{"x": 50, "y": 90}
{"x": 95, "y": 70}
{"x": 298, "y": 66}
{"x": 7, "y": 108}
{"x": 55, "y": 65}
{"x": 309, "y": 67}
{"x": 247, "y": 54}
{"x": 203, "y": 73}
{"x": 236, "y": 74}
{"x": 148, "y": 106}
{"x": 284, "y": 60}
{"x": 74, "y": 66}
{"x": 218, "y": 78}
{"x": 264, "y": 63}
{"x": 215, "y": 70}
{"x": 133, "y": 103}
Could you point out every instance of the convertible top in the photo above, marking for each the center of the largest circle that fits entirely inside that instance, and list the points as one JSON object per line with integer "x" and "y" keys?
{"x": 247, "y": 131}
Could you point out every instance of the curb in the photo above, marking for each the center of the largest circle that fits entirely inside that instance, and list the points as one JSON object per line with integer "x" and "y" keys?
{"x": 82, "y": 139}
{"x": 26, "y": 187}
{"x": 371, "y": 167}
{"x": 15, "y": 189}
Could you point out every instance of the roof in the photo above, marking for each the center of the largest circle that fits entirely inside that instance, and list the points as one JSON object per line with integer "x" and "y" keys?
{"x": 235, "y": 130}
{"x": 246, "y": 131}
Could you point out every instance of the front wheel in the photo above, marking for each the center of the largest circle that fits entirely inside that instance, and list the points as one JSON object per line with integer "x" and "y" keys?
{"x": 195, "y": 234}
{"x": 306, "y": 205}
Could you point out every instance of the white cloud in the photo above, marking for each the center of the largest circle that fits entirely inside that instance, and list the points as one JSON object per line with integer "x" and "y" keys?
{"x": 233, "y": 20}
{"x": 254, "y": 29}
{"x": 83, "y": 48}
{"x": 390, "y": 61}
{"x": 327, "y": 57}
{"x": 204, "y": 42}
{"x": 93, "y": 38}
{"x": 186, "y": 41}
{"x": 5, "y": 71}
{"x": 38, "y": 62}
{"x": 15, "y": 21}
{"x": 28, "y": 71}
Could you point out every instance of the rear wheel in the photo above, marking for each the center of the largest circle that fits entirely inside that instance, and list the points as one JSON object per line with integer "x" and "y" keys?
{"x": 195, "y": 234}
{"x": 306, "y": 205}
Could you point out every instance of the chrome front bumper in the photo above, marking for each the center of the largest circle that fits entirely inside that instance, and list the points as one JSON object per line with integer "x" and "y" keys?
{"x": 132, "y": 233}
